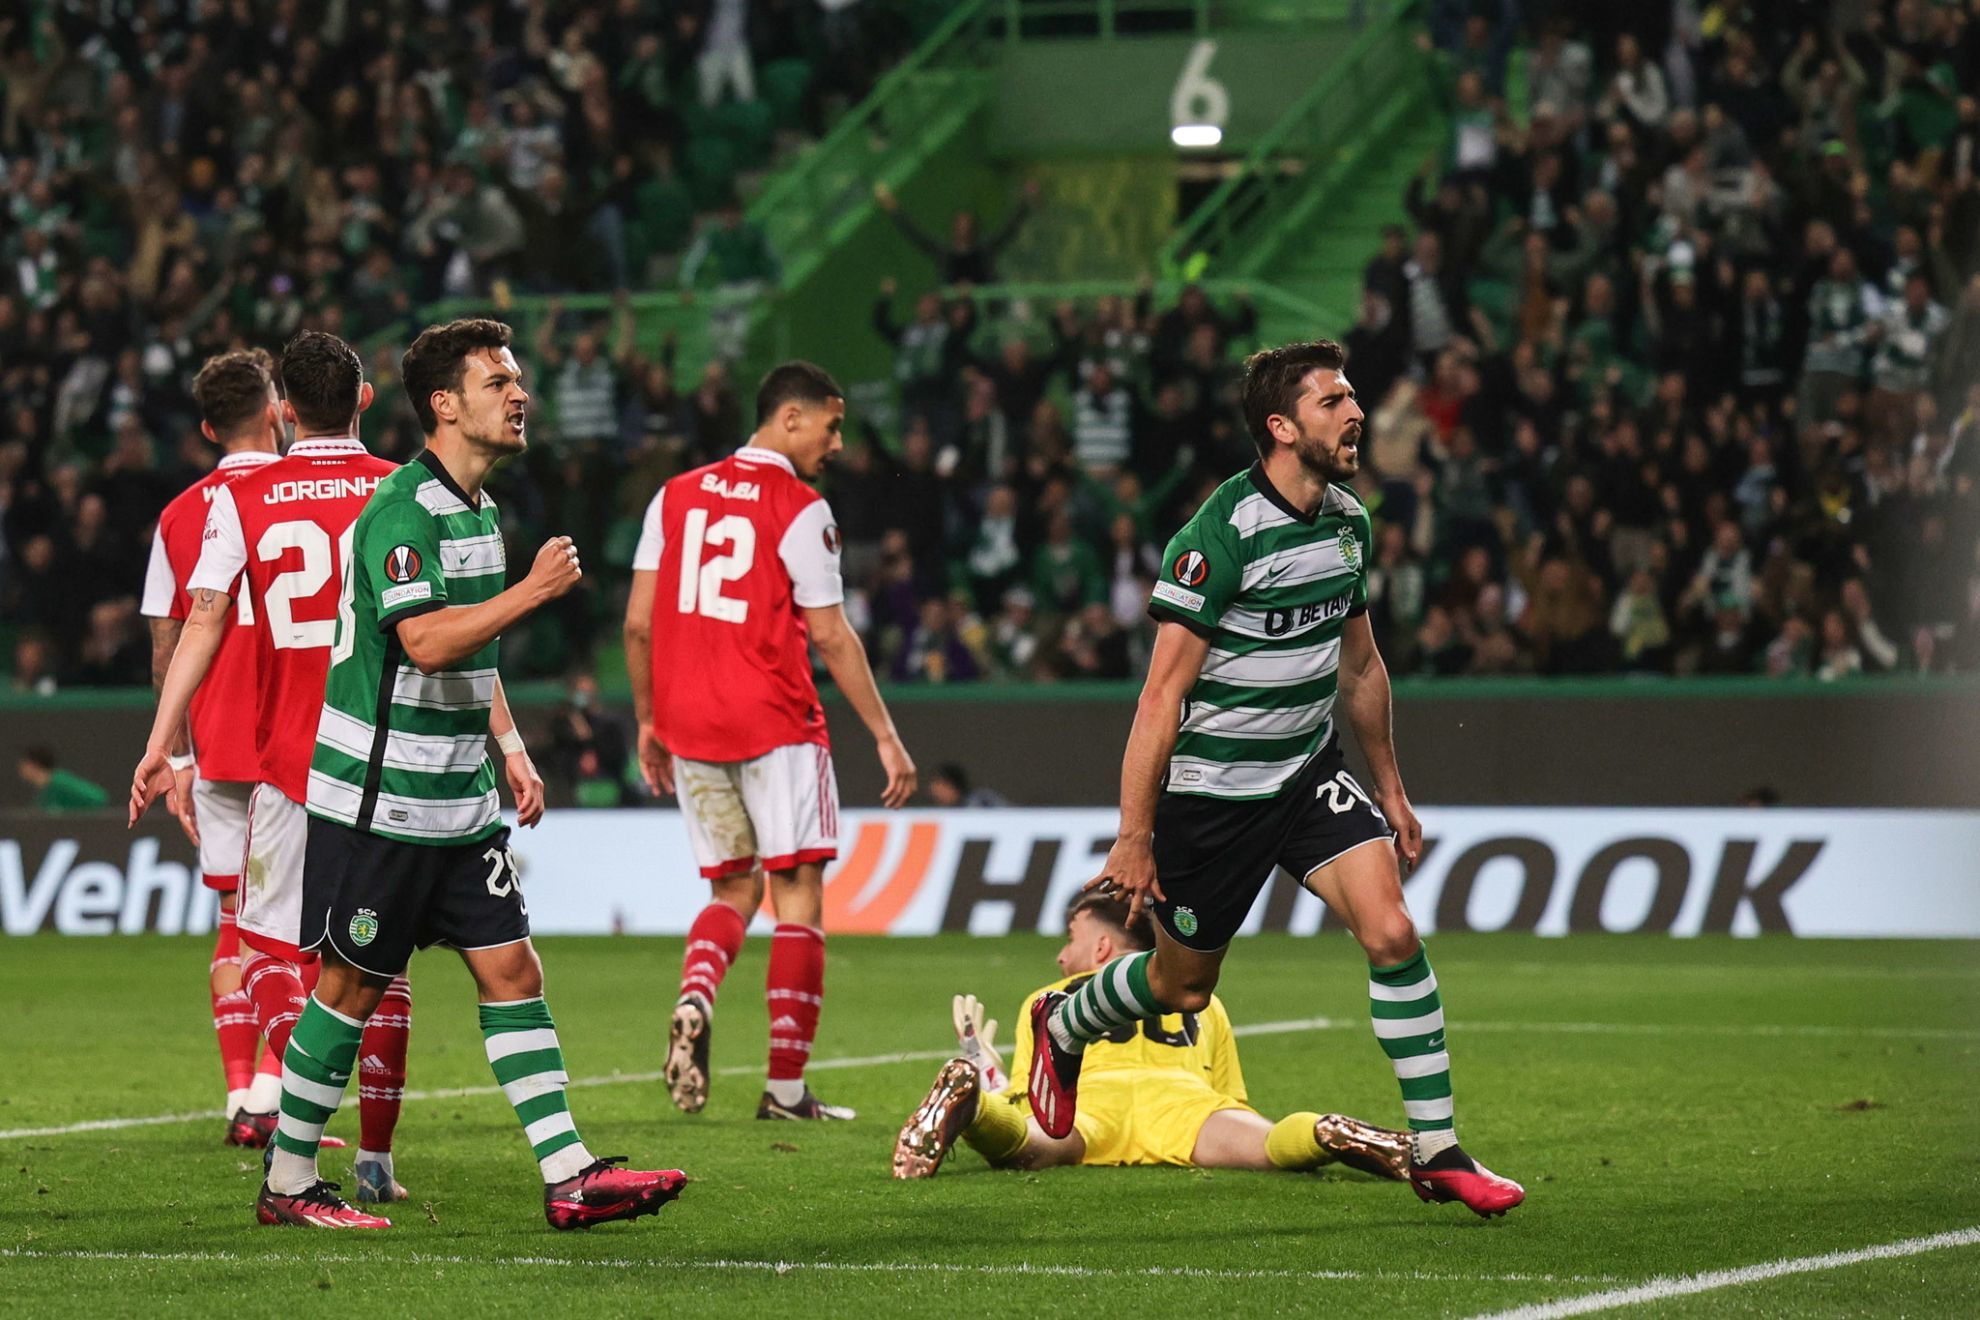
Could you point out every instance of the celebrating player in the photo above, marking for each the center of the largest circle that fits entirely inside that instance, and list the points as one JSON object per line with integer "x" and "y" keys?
{"x": 277, "y": 535}
{"x": 738, "y": 564}
{"x": 1165, "y": 1091}
{"x": 406, "y": 842}
{"x": 241, "y": 413}
{"x": 1233, "y": 766}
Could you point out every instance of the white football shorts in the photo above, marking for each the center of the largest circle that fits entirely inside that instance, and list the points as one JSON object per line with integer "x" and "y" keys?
{"x": 779, "y": 810}
{"x": 271, "y": 893}
{"x": 222, "y": 813}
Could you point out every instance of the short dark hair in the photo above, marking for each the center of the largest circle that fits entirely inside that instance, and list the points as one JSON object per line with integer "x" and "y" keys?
{"x": 231, "y": 389}
{"x": 321, "y": 377}
{"x": 955, "y": 774}
{"x": 437, "y": 360}
{"x": 40, "y": 754}
{"x": 795, "y": 382}
{"x": 1104, "y": 905}
{"x": 1272, "y": 380}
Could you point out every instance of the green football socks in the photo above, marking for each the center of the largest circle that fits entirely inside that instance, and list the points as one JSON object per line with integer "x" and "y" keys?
{"x": 529, "y": 1064}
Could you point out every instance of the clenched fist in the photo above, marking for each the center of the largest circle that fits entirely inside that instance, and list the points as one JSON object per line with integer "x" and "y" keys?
{"x": 556, "y": 569}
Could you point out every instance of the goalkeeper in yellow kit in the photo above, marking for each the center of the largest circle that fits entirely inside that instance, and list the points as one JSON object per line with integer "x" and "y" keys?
{"x": 1158, "y": 1092}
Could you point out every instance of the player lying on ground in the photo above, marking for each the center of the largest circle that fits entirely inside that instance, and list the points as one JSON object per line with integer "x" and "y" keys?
{"x": 1233, "y": 766}
{"x": 273, "y": 542}
{"x": 1160, "y": 1091}
{"x": 407, "y": 847}
{"x": 737, "y": 570}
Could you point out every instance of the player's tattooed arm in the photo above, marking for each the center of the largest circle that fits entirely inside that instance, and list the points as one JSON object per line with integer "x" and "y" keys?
{"x": 199, "y": 643}
{"x": 164, "y": 641}
{"x": 1365, "y": 692}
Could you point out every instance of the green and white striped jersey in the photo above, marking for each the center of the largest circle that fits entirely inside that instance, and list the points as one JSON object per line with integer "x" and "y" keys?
{"x": 1272, "y": 589}
{"x": 400, "y": 753}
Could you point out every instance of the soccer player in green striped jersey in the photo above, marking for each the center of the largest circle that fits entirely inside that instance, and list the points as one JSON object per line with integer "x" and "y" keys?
{"x": 406, "y": 843}
{"x": 1234, "y": 764}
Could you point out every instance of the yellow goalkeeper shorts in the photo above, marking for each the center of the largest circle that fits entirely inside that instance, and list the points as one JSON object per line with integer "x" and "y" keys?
{"x": 1145, "y": 1116}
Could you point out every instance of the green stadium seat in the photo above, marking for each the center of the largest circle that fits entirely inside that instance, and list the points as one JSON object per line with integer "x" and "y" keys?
{"x": 748, "y": 126}
{"x": 665, "y": 215}
{"x": 783, "y": 84}
{"x": 711, "y": 170}
{"x": 621, "y": 540}
{"x": 597, "y": 793}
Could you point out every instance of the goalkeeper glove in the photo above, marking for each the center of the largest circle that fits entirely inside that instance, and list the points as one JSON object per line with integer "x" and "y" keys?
{"x": 977, "y": 1038}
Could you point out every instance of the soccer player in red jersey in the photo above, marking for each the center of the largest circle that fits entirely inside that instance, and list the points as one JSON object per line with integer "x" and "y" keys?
{"x": 217, "y": 765}
{"x": 737, "y": 569}
{"x": 278, "y": 536}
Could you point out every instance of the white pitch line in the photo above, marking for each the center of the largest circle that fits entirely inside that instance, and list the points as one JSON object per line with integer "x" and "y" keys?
{"x": 807, "y": 1266}
{"x": 1657, "y": 1290}
{"x": 1249, "y": 1029}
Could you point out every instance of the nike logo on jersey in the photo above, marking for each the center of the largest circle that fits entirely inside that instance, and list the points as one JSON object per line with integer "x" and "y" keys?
{"x": 742, "y": 490}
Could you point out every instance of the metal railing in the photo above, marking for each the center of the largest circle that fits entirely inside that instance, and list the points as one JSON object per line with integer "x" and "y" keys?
{"x": 1380, "y": 70}
{"x": 1043, "y": 297}
{"x": 1030, "y": 20}
{"x": 907, "y": 110}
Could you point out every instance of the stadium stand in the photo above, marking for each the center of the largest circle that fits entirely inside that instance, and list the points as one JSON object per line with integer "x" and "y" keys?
{"x": 1672, "y": 356}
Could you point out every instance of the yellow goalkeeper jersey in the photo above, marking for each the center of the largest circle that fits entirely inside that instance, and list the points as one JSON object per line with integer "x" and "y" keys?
{"x": 1199, "y": 1044}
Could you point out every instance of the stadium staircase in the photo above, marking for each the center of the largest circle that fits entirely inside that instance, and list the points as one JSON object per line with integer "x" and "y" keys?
{"x": 1304, "y": 211}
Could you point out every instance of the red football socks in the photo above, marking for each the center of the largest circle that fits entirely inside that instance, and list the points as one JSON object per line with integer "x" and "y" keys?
{"x": 382, "y": 1067}
{"x": 796, "y": 989}
{"x": 712, "y": 945}
{"x": 234, "y": 1022}
{"x": 276, "y": 987}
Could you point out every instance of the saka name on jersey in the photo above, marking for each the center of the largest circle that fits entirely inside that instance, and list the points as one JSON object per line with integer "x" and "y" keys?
{"x": 1271, "y": 589}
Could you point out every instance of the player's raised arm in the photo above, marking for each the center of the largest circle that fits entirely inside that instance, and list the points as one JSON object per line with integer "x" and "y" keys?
{"x": 1365, "y": 693}
{"x": 1172, "y": 669}
{"x": 442, "y": 638}
{"x": 845, "y": 657}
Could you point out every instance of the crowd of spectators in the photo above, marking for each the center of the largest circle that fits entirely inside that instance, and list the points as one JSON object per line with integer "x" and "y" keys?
{"x": 186, "y": 176}
{"x": 1680, "y": 365}
{"x": 1676, "y": 368}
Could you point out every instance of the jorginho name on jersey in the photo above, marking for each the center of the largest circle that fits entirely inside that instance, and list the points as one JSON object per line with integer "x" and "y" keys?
{"x": 289, "y": 550}
{"x": 738, "y": 549}
{"x": 400, "y": 753}
{"x": 222, "y": 740}
{"x": 1272, "y": 590}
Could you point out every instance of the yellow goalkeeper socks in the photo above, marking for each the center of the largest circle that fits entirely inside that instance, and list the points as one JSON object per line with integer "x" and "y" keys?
{"x": 1294, "y": 1144}
{"x": 998, "y": 1130}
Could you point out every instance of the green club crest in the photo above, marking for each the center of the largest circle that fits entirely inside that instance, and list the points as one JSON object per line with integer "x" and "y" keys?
{"x": 364, "y": 927}
{"x": 1185, "y": 922}
{"x": 1350, "y": 549}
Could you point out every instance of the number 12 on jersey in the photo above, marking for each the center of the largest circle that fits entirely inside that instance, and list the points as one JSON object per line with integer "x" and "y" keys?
{"x": 702, "y": 579}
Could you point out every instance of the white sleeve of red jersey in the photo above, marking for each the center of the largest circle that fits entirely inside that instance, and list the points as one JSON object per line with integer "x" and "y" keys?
{"x": 652, "y": 540}
{"x": 161, "y": 590}
{"x": 810, "y": 551}
{"x": 222, "y": 547}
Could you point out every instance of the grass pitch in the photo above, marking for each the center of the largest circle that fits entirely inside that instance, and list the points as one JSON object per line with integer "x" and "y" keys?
{"x": 1673, "y": 1107}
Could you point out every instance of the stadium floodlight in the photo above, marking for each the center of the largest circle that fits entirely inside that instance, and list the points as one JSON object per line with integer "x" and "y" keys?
{"x": 1196, "y": 135}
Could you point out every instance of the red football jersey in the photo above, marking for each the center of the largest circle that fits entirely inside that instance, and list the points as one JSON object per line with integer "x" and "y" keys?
{"x": 287, "y": 526}
{"x": 739, "y": 547}
{"x": 224, "y": 746}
